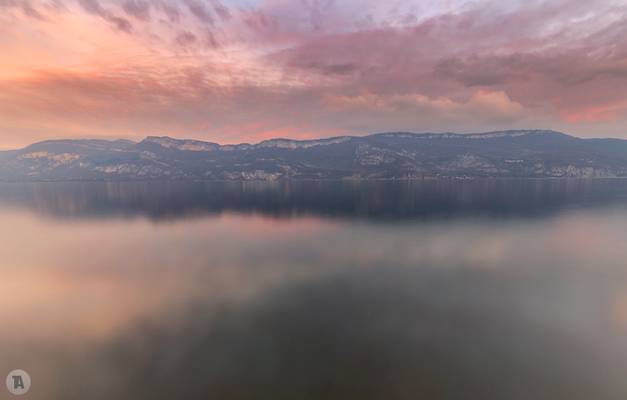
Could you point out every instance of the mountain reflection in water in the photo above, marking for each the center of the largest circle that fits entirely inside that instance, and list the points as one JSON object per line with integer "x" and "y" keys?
{"x": 504, "y": 289}
{"x": 399, "y": 200}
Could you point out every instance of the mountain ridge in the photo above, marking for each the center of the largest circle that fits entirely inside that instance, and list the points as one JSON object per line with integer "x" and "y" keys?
{"x": 385, "y": 155}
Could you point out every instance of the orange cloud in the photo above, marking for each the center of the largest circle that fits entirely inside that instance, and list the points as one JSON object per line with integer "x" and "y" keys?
{"x": 601, "y": 113}
{"x": 226, "y": 72}
{"x": 482, "y": 105}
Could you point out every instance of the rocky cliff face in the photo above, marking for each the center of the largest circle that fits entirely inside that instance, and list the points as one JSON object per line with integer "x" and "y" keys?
{"x": 382, "y": 156}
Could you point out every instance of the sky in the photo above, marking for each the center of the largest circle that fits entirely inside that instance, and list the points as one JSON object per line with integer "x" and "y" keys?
{"x": 233, "y": 71}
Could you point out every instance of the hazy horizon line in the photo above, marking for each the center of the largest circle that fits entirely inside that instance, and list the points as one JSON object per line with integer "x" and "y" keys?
{"x": 121, "y": 139}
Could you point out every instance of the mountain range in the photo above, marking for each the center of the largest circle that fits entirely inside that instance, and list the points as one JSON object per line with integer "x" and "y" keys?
{"x": 394, "y": 155}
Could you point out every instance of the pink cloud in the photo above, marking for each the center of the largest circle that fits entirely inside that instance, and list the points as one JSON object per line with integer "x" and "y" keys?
{"x": 222, "y": 71}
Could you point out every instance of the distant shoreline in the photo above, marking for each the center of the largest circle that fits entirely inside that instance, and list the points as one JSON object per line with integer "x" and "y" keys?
{"x": 395, "y": 156}
{"x": 330, "y": 180}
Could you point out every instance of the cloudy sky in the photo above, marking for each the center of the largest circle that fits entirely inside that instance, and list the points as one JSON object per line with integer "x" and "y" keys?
{"x": 245, "y": 70}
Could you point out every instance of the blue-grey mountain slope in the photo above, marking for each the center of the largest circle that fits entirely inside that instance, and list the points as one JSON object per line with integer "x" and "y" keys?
{"x": 399, "y": 155}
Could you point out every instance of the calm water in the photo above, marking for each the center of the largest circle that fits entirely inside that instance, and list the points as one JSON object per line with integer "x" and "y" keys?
{"x": 425, "y": 290}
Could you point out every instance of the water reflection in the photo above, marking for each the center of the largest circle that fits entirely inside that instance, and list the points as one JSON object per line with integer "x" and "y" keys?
{"x": 373, "y": 200}
{"x": 380, "y": 334}
{"x": 445, "y": 297}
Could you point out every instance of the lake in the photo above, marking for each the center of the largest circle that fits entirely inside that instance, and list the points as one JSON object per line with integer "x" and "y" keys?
{"x": 452, "y": 289}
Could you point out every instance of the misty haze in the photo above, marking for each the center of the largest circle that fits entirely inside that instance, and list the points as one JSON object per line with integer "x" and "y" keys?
{"x": 313, "y": 199}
